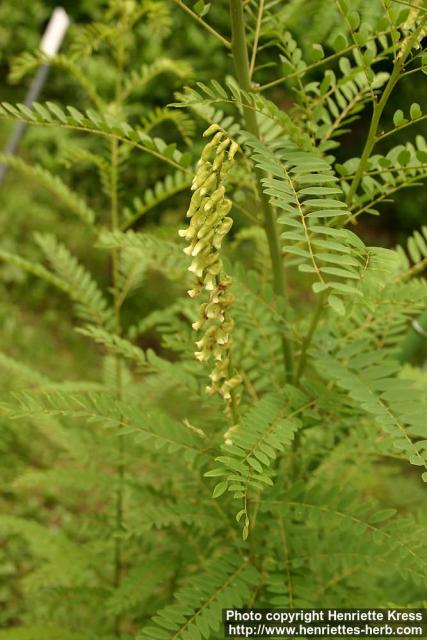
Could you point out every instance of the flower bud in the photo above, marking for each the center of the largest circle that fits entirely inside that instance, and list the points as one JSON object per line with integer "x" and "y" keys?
{"x": 215, "y": 268}
{"x": 222, "y": 146}
{"x": 213, "y": 311}
{"x": 212, "y": 218}
{"x": 202, "y": 243}
{"x": 219, "y": 159}
{"x": 211, "y": 130}
{"x": 234, "y": 147}
{"x": 209, "y": 223}
{"x": 225, "y": 207}
{"x": 193, "y": 293}
{"x": 218, "y": 194}
{"x": 211, "y": 145}
{"x": 197, "y": 325}
{"x": 208, "y": 183}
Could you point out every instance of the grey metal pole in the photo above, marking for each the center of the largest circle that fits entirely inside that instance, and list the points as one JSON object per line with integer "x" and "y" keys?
{"x": 50, "y": 43}
{"x": 15, "y": 138}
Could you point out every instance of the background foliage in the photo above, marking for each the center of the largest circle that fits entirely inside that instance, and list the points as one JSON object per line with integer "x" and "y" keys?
{"x": 110, "y": 448}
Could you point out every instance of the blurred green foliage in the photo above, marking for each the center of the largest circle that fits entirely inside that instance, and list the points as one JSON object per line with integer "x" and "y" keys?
{"x": 35, "y": 324}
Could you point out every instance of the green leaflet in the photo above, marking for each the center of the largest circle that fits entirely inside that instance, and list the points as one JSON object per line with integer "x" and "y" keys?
{"x": 76, "y": 281}
{"x": 160, "y": 254}
{"x": 197, "y": 611}
{"x": 137, "y": 506}
{"x": 305, "y": 233}
{"x": 159, "y": 193}
{"x": 251, "y": 448}
{"x": 184, "y": 124}
{"x": 155, "y": 428}
{"x": 273, "y": 121}
{"x": 115, "y": 344}
{"x": 402, "y": 166}
{"x": 414, "y": 259}
{"x": 53, "y": 184}
{"x": 94, "y": 122}
{"x": 138, "y": 80}
{"x": 391, "y": 402}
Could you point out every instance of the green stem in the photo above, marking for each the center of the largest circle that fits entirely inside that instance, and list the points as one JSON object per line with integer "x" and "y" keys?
{"x": 310, "y": 333}
{"x": 256, "y": 37}
{"x": 415, "y": 337}
{"x": 378, "y": 108}
{"x": 241, "y": 64}
{"x": 115, "y": 225}
{"x": 198, "y": 19}
{"x": 233, "y": 402}
{"x": 118, "y": 561}
{"x": 371, "y": 139}
{"x": 403, "y": 126}
{"x": 314, "y": 65}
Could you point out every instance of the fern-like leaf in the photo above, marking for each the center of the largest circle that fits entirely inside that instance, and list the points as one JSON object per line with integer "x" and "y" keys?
{"x": 414, "y": 259}
{"x": 28, "y": 62}
{"x": 304, "y": 188}
{"x": 402, "y": 167}
{"x": 115, "y": 344}
{"x": 91, "y": 121}
{"x": 54, "y": 184}
{"x": 156, "y": 427}
{"x": 91, "y": 304}
{"x": 160, "y": 192}
{"x": 138, "y": 80}
{"x": 160, "y": 254}
{"x": 184, "y": 124}
{"x": 198, "y": 609}
{"x": 251, "y": 448}
{"x": 393, "y": 403}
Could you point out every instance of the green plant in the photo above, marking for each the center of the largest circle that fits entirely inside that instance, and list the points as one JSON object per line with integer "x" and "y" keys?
{"x": 285, "y": 481}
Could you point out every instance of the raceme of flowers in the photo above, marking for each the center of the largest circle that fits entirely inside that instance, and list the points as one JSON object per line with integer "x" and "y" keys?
{"x": 209, "y": 223}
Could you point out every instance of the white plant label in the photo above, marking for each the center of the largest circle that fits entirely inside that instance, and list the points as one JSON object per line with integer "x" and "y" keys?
{"x": 55, "y": 32}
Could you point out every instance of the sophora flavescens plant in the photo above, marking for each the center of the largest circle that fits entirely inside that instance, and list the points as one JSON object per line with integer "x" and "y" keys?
{"x": 229, "y": 409}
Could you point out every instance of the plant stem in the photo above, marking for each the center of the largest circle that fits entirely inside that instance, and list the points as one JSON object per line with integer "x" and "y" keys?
{"x": 371, "y": 138}
{"x": 233, "y": 401}
{"x": 241, "y": 65}
{"x": 403, "y": 126}
{"x": 378, "y": 108}
{"x": 318, "y": 63}
{"x": 118, "y": 563}
{"x": 310, "y": 333}
{"x": 198, "y": 19}
{"x": 256, "y": 38}
{"x": 115, "y": 225}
